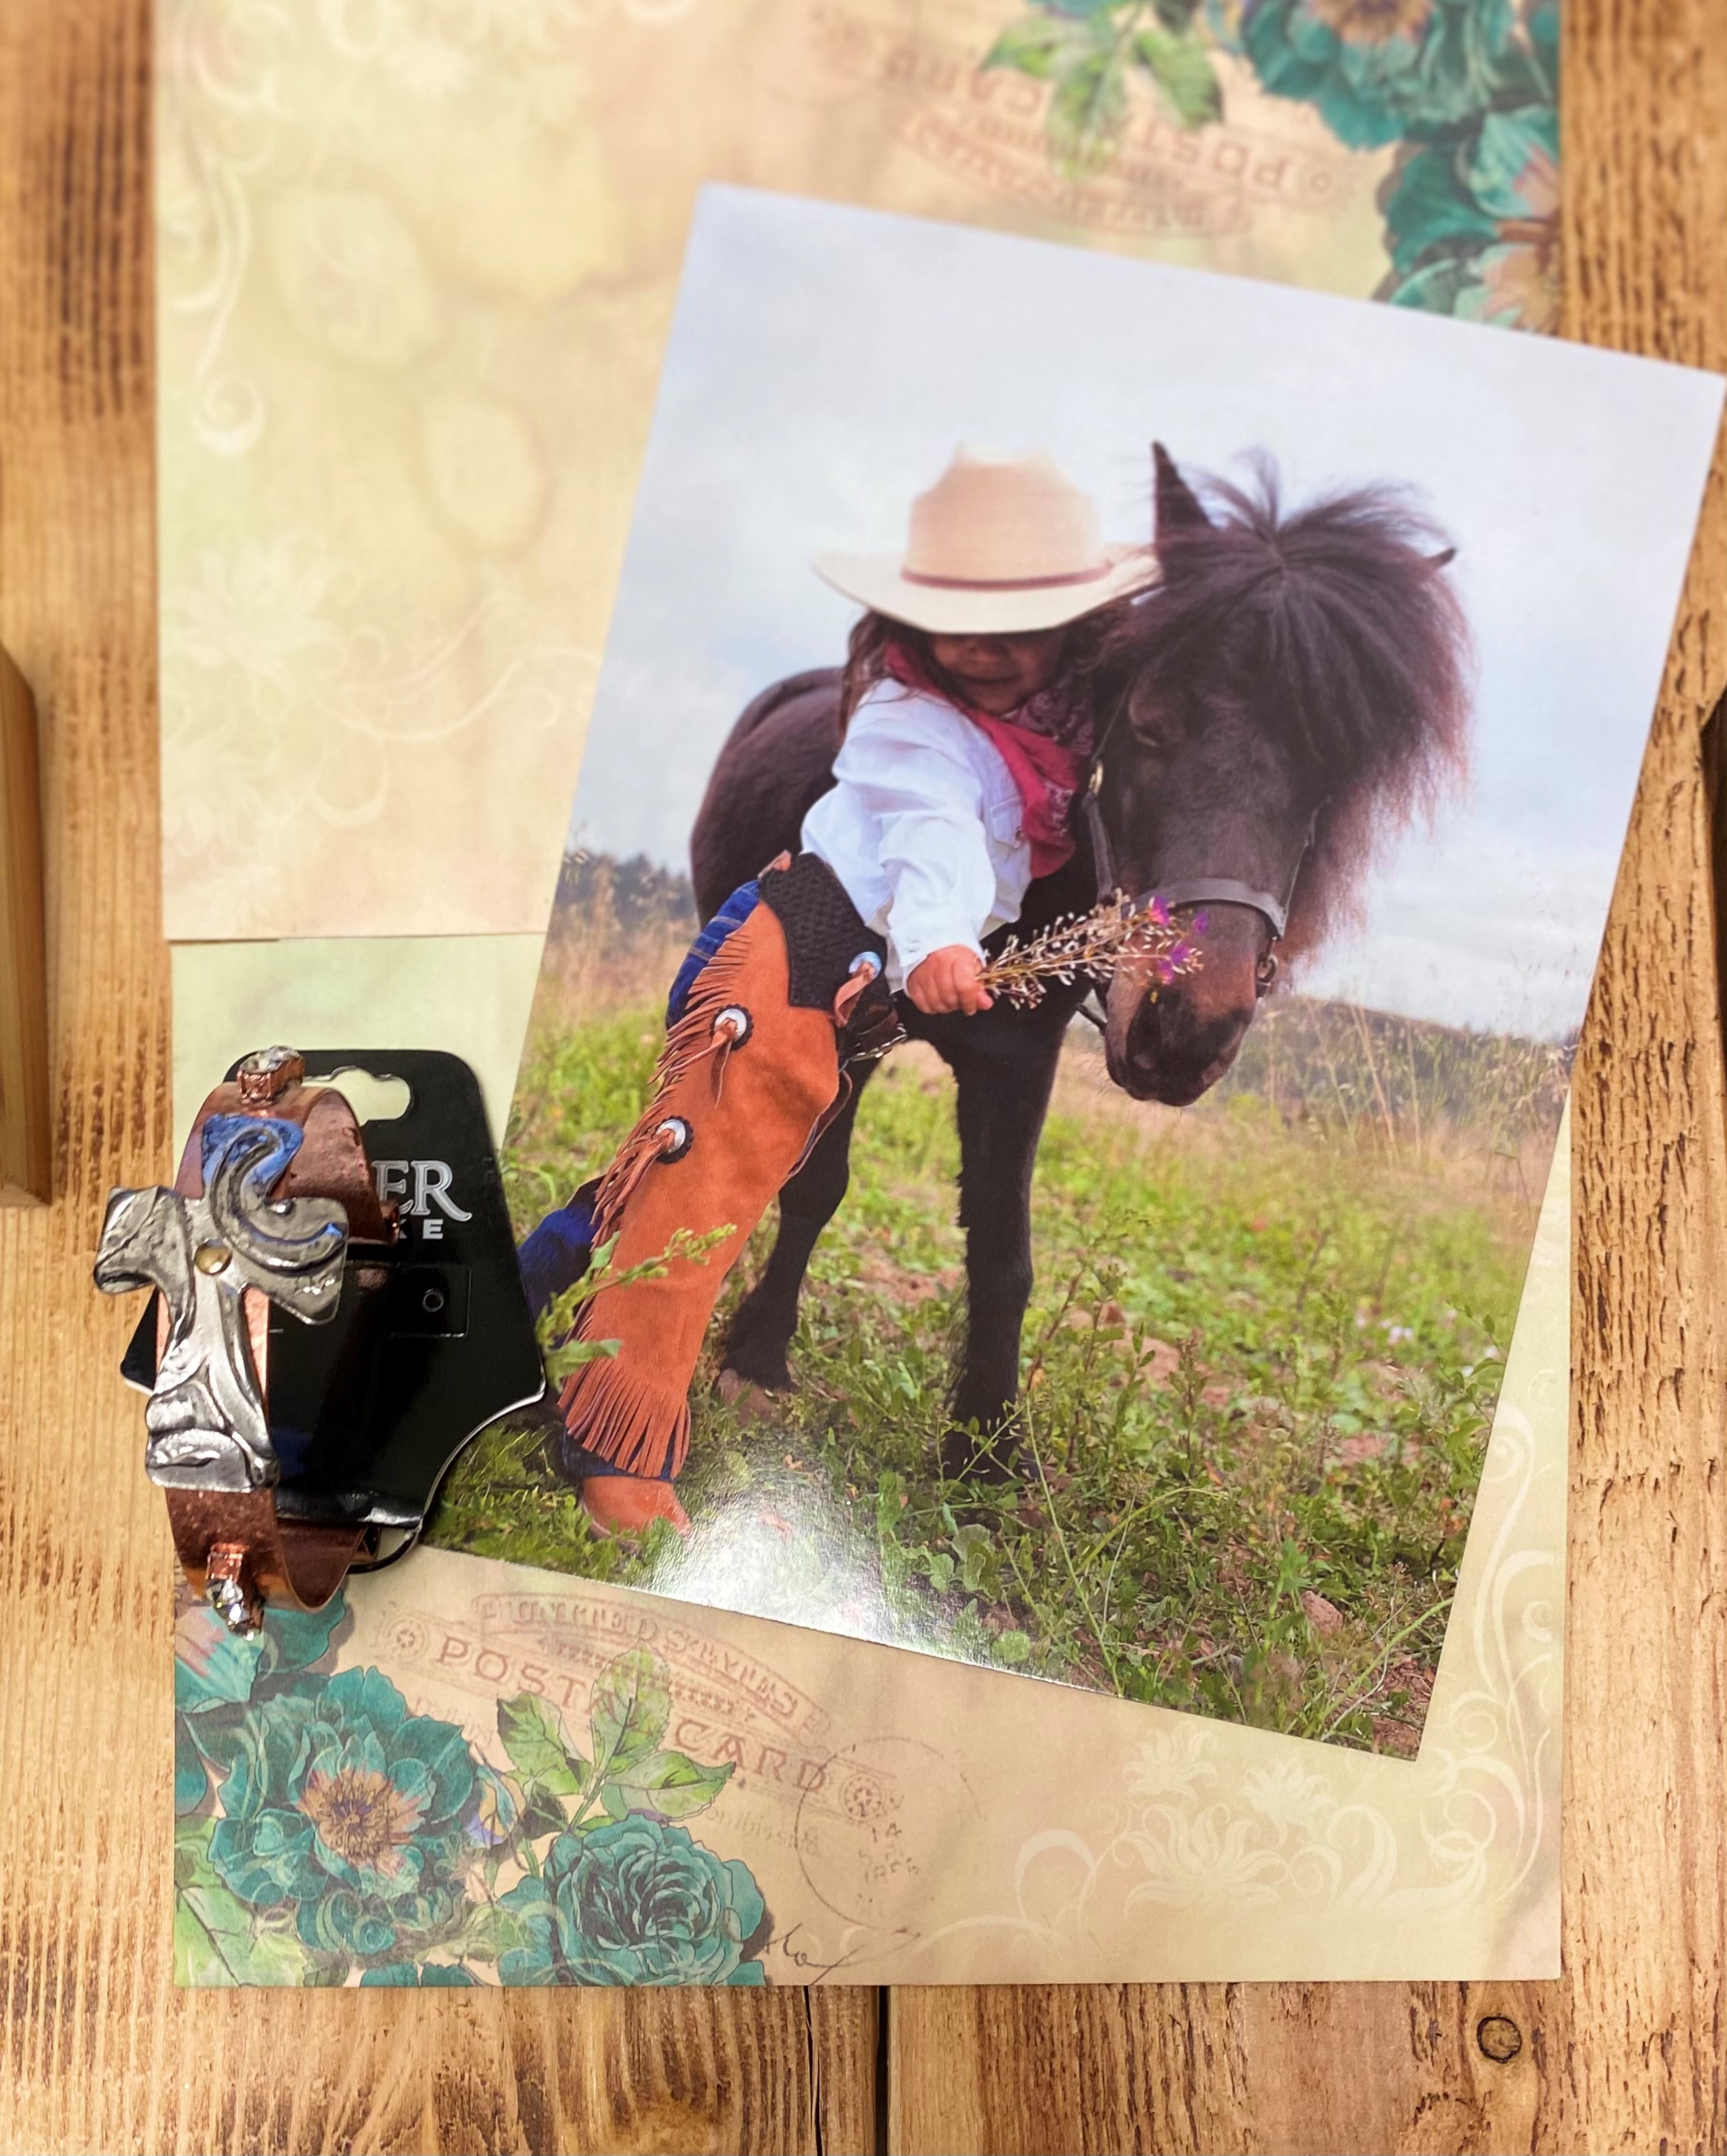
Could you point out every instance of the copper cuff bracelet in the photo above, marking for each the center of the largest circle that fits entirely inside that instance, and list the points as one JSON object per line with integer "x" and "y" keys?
{"x": 327, "y": 1327}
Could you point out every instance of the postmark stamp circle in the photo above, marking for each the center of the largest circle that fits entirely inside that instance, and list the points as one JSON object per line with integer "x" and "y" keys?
{"x": 872, "y": 1830}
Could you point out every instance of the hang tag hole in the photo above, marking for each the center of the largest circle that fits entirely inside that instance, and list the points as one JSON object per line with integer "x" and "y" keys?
{"x": 372, "y": 1100}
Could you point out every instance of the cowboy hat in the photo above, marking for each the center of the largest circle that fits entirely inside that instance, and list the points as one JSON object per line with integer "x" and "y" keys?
{"x": 996, "y": 545}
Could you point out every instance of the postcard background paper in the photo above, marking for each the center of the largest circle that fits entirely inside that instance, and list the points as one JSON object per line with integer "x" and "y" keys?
{"x": 415, "y": 271}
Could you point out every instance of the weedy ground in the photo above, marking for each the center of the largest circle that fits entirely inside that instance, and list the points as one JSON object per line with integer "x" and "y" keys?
{"x": 1259, "y": 1366}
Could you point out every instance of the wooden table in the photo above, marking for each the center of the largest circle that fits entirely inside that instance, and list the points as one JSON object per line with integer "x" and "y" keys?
{"x": 1627, "y": 2051}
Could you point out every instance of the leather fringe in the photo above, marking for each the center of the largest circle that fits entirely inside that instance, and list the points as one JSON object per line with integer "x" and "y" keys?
{"x": 641, "y": 1428}
{"x": 635, "y": 1425}
{"x": 690, "y": 1041}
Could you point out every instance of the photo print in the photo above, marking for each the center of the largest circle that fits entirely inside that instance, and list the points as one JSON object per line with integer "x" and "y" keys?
{"x": 1103, "y": 794}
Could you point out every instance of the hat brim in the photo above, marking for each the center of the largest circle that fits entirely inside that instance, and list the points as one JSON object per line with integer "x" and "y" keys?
{"x": 879, "y": 582}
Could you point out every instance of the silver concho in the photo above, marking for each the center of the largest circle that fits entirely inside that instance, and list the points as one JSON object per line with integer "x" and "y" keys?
{"x": 205, "y": 1421}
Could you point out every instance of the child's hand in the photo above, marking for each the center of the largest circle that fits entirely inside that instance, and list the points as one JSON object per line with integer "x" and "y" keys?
{"x": 947, "y": 980}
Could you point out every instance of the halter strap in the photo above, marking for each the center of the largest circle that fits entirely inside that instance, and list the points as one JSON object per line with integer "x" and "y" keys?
{"x": 1226, "y": 891}
{"x": 1195, "y": 890}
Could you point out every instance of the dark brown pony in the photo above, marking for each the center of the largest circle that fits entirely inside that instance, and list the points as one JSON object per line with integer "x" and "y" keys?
{"x": 1290, "y": 693}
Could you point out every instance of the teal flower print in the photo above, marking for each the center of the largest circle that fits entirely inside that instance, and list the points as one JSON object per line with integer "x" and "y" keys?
{"x": 1473, "y": 226}
{"x": 635, "y": 1902}
{"x": 1467, "y": 89}
{"x": 1515, "y": 173}
{"x": 1377, "y": 69}
{"x": 340, "y": 1802}
{"x": 327, "y": 1832}
{"x": 496, "y": 1810}
{"x": 217, "y": 1677}
{"x": 213, "y": 1668}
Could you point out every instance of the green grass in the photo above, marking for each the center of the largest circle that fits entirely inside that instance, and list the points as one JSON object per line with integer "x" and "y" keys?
{"x": 1260, "y": 1363}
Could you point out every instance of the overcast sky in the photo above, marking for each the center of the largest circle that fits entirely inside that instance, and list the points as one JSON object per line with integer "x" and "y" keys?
{"x": 824, "y": 362}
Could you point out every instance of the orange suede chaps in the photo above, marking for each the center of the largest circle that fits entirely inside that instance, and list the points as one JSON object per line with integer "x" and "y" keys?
{"x": 746, "y": 1082}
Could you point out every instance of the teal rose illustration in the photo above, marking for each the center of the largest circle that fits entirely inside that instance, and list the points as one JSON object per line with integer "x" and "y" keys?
{"x": 339, "y": 1801}
{"x": 635, "y": 1902}
{"x": 1377, "y": 69}
{"x": 218, "y": 1678}
{"x": 1473, "y": 226}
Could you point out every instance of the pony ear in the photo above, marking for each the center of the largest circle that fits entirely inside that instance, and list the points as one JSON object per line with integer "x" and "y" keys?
{"x": 1177, "y": 508}
{"x": 1436, "y": 562}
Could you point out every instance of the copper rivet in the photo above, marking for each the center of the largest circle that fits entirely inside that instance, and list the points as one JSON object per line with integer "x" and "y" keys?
{"x": 212, "y": 1257}
{"x": 268, "y": 1073}
{"x": 229, "y": 1589}
{"x": 1499, "y": 2037}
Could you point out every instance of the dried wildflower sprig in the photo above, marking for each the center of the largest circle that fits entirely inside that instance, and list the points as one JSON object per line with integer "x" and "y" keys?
{"x": 1093, "y": 945}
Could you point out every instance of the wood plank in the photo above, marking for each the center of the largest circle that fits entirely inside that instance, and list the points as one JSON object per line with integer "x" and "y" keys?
{"x": 845, "y": 2032}
{"x": 1205, "y": 2067}
{"x": 1625, "y": 2051}
{"x": 26, "y": 1150}
{"x": 97, "y": 2049}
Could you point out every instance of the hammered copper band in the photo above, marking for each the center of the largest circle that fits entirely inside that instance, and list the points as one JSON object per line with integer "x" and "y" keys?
{"x": 331, "y": 1162}
{"x": 297, "y": 1564}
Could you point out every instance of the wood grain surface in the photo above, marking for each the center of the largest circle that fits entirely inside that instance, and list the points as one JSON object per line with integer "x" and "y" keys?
{"x": 26, "y": 1143}
{"x": 97, "y": 2049}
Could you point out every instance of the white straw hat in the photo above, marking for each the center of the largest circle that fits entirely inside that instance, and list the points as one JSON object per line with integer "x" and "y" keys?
{"x": 997, "y": 544}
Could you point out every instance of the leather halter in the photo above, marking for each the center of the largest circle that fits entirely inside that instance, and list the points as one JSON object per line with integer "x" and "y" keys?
{"x": 1193, "y": 890}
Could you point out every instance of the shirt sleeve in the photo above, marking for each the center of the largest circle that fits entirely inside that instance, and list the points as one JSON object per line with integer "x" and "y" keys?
{"x": 905, "y": 766}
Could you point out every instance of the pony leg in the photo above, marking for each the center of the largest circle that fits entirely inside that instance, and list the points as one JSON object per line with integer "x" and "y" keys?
{"x": 762, "y": 1329}
{"x": 1001, "y": 1107}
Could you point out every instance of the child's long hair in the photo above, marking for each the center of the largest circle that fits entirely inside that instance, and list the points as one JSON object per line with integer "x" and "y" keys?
{"x": 875, "y": 636}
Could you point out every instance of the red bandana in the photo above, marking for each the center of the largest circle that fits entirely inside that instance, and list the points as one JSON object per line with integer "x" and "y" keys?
{"x": 1047, "y": 772}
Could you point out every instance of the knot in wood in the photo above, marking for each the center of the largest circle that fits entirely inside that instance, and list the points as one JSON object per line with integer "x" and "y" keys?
{"x": 1499, "y": 2037}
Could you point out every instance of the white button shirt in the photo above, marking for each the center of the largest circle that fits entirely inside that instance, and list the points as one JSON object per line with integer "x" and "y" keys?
{"x": 922, "y": 827}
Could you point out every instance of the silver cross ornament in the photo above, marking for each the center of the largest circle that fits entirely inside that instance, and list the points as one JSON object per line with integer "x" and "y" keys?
{"x": 206, "y": 1423}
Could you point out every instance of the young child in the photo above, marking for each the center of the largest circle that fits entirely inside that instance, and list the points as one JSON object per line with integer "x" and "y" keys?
{"x": 967, "y": 735}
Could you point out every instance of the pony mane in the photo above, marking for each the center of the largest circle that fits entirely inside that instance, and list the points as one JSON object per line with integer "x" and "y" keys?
{"x": 1334, "y": 629}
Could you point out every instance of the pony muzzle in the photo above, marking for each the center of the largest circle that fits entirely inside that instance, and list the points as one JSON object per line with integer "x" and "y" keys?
{"x": 1172, "y": 1041}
